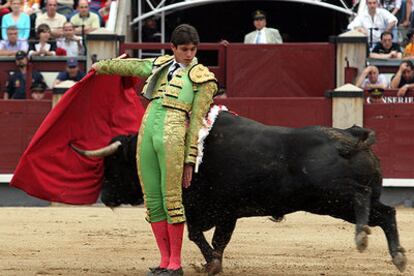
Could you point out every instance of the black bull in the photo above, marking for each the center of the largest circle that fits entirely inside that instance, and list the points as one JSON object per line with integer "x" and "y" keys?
{"x": 250, "y": 169}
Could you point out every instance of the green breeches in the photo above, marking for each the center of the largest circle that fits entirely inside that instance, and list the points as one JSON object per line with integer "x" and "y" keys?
{"x": 160, "y": 162}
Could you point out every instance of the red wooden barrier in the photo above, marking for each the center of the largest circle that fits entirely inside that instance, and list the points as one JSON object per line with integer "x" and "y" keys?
{"x": 19, "y": 120}
{"x": 393, "y": 124}
{"x": 394, "y": 127}
{"x": 283, "y": 70}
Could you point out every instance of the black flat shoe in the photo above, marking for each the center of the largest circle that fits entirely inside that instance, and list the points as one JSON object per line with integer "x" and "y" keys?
{"x": 153, "y": 271}
{"x": 176, "y": 272}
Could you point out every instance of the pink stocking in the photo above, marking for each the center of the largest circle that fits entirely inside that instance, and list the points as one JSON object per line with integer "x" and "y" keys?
{"x": 160, "y": 231}
{"x": 175, "y": 232}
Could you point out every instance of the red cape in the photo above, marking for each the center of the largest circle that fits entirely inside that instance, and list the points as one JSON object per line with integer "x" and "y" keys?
{"x": 93, "y": 111}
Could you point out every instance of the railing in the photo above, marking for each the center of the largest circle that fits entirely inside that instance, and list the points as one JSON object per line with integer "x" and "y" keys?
{"x": 219, "y": 70}
{"x": 248, "y": 70}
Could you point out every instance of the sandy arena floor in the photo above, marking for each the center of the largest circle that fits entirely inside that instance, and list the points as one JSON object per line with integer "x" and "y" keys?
{"x": 96, "y": 241}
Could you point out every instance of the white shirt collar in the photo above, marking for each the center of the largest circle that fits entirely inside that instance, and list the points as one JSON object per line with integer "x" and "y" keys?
{"x": 174, "y": 63}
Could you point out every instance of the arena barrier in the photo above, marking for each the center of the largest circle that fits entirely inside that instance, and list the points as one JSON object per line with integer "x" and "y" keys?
{"x": 293, "y": 106}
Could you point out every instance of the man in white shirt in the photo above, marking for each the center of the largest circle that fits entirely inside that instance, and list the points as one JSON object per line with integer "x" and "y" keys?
{"x": 373, "y": 21}
{"x": 70, "y": 42}
{"x": 53, "y": 19}
{"x": 262, "y": 35}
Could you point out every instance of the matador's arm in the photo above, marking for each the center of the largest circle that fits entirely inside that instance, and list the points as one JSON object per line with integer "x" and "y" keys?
{"x": 206, "y": 89}
{"x": 126, "y": 67}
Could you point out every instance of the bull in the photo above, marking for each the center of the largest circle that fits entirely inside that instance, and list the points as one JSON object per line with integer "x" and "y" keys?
{"x": 250, "y": 169}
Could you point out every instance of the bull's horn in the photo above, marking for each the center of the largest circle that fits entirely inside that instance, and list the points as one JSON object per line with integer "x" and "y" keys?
{"x": 102, "y": 152}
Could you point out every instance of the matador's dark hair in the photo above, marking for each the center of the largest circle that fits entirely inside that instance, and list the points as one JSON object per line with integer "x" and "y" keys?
{"x": 184, "y": 34}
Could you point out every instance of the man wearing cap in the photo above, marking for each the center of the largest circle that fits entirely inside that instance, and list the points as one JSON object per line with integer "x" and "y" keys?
{"x": 10, "y": 46}
{"x": 16, "y": 84}
{"x": 262, "y": 34}
{"x": 72, "y": 72}
{"x": 38, "y": 90}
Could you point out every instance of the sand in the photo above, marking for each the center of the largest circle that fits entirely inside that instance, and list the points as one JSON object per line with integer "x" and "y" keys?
{"x": 98, "y": 241}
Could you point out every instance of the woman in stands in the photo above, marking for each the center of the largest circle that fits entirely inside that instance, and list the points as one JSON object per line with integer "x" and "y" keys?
{"x": 18, "y": 18}
{"x": 44, "y": 47}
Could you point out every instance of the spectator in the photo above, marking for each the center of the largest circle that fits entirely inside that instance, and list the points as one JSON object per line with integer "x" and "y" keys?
{"x": 72, "y": 72}
{"x": 85, "y": 18}
{"x": 71, "y": 43}
{"x": 16, "y": 84}
{"x": 262, "y": 35}
{"x": 370, "y": 78}
{"x": 373, "y": 21}
{"x": 12, "y": 45}
{"x": 376, "y": 96}
{"x": 4, "y": 7}
{"x": 386, "y": 49}
{"x": 44, "y": 47}
{"x": 38, "y": 90}
{"x": 150, "y": 31}
{"x": 16, "y": 18}
{"x": 52, "y": 18}
{"x": 403, "y": 80}
{"x": 31, "y": 6}
{"x": 96, "y": 5}
{"x": 401, "y": 10}
{"x": 104, "y": 11}
{"x": 409, "y": 49}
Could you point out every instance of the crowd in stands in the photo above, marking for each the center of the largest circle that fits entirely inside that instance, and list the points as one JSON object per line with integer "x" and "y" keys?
{"x": 384, "y": 15}
{"x": 47, "y": 28}
{"x": 378, "y": 22}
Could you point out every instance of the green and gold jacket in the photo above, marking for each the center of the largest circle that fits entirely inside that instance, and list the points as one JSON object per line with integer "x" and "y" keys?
{"x": 191, "y": 89}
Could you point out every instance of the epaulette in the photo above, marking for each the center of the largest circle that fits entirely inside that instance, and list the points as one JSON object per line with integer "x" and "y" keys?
{"x": 200, "y": 74}
{"x": 162, "y": 59}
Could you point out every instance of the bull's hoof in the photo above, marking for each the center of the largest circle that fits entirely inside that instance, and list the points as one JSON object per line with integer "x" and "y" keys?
{"x": 361, "y": 238}
{"x": 214, "y": 267}
{"x": 277, "y": 218}
{"x": 400, "y": 260}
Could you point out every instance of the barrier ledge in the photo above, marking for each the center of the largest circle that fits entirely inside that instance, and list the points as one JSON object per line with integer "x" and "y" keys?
{"x": 387, "y": 182}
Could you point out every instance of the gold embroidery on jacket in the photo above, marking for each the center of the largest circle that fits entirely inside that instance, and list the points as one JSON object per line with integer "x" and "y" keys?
{"x": 162, "y": 59}
{"x": 174, "y": 135}
{"x": 175, "y": 104}
{"x": 201, "y": 104}
{"x": 200, "y": 74}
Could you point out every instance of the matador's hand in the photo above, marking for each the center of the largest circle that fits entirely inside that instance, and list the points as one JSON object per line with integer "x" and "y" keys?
{"x": 187, "y": 175}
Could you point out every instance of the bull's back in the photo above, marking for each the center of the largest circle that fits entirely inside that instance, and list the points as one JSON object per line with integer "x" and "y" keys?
{"x": 251, "y": 169}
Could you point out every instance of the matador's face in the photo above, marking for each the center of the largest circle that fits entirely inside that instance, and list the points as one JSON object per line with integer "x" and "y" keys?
{"x": 184, "y": 54}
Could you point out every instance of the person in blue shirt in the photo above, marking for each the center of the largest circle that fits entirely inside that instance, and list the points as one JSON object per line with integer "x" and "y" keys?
{"x": 72, "y": 72}
{"x": 16, "y": 18}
